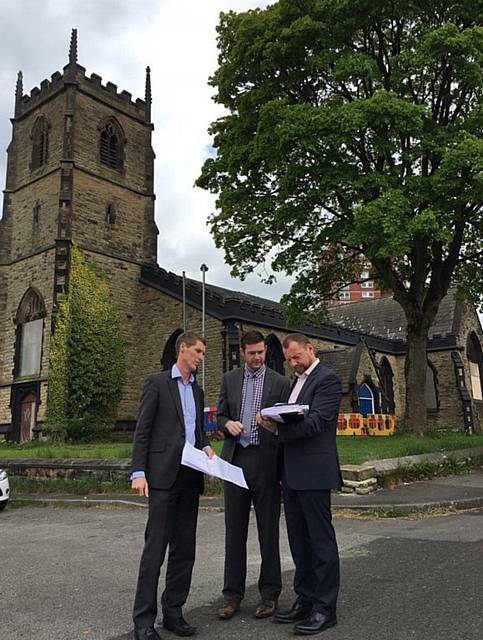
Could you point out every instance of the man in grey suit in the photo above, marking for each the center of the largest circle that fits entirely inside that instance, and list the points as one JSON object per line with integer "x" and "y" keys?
{"x": 244, "y": 391}
{"x": 171, "y": 413}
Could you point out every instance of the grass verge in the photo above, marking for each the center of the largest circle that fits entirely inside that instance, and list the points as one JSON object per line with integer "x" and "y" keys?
{"x": 427, "y": 470}
{"x": 352, "y": 450}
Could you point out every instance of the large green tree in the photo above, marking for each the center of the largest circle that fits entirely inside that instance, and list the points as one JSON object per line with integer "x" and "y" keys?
{"x": 353, "y": 129}
{"x": 87, "y": 365}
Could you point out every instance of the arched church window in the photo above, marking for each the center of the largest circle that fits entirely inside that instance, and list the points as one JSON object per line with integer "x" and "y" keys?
{"x": 431, "y": 390}
{"x": 30, "y": 324}
{"x": 388, "y": 387}
{"x": 275, "y": 358}
{"x": 475, "y": 359}
{"x": 366, "y": 399}
{"x": 111, "y": 146}
{"x": 40, "y": 143}
{"x": 169, "y": 356}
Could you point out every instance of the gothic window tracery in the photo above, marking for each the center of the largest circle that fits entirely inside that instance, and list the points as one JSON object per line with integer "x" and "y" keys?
{"x": 111, "y": 146}
{"x": 40, "y": 143}
{"x": 30, "y": 324}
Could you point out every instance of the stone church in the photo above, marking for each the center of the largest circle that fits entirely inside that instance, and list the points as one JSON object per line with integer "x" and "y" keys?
{"x": 80, "y": 168}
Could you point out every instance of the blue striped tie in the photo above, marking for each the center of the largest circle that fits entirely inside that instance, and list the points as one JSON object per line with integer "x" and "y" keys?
{"x": 247, "y": 411}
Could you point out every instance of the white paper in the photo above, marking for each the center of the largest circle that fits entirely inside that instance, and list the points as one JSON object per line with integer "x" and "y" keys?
{"x": 197, "y": 459}
{"x": 277, "y": 411}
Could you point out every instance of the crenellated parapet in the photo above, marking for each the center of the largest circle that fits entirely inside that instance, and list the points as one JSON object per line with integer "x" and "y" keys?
{"x": 74, "y": 74}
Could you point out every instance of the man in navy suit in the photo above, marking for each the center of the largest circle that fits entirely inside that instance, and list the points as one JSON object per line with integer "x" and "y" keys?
{"x": 310, "y": 471}
{"x": 171, "y": 413}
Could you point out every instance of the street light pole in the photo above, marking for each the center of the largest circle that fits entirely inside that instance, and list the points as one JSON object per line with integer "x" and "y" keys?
{"x": 184, "y": 301}
{"x": 203, "y": 270}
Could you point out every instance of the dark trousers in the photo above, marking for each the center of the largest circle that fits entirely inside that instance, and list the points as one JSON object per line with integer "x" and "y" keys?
{"x": 266, "y": 501}
{"x": 172, "y": 521}
{"x": 314, "y": 547}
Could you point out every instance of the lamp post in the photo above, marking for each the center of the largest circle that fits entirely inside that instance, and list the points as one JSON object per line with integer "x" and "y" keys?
{"x": 184, "y": 301}
{"x": 203, "y": 270}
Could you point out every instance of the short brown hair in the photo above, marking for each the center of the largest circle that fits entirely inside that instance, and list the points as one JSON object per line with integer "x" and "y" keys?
{"x": 251, "y": 337}
{"x": 189, "y": 338}
{"x": 300, "y": 338}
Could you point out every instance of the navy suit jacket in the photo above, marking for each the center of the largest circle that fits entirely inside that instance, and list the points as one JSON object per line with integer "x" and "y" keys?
{"x": 160, "y": 431}
{"x": 310, "y": 459}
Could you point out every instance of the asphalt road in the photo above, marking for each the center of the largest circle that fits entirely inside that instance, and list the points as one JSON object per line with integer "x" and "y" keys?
{"x": 70, "y": 573}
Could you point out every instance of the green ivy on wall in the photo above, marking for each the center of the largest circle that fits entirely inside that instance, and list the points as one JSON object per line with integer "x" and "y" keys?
{"x": 87, "y": 365}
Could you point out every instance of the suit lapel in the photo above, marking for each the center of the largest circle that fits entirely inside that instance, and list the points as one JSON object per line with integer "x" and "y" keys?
{"x": 173, "y": 387}
{"x": 237, "y": 395}
{"x": 308, "y": 383}
{"x": 267, "y": 388}
{"x": 199, "y": 414}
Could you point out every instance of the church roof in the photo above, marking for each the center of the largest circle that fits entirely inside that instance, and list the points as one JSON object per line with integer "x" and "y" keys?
{"x": 385, "y": 318}
{"x": 380, "y": 323}
{"x": 344, "y": 362}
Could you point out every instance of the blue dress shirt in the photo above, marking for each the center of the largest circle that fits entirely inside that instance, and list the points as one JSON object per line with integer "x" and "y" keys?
{"x": 187, "y": 398}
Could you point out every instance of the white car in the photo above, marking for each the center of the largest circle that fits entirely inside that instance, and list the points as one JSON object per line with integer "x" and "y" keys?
{"x": 4, "y": 489}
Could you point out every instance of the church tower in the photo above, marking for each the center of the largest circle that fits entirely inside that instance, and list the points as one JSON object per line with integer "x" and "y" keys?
{"x": 80, "y": 169}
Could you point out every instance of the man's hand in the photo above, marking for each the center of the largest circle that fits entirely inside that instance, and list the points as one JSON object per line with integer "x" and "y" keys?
{"x": 141, "y": 486}
{"x": 209, "y": 452}
{"x": 234, "y": 427}
{"x": 266, "y": 423}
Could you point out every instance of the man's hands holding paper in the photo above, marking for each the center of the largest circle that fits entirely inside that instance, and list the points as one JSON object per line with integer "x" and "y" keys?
{"x": 266, "y": 423}
{"x": 141, "y": 484}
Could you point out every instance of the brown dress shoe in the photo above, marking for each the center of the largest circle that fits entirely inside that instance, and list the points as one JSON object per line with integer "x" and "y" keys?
{"x": 266, "y": 608}
{"x": 228, "y": 610}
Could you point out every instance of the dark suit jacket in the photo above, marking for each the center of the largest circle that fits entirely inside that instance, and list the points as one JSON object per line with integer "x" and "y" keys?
{"x": 275, "y": 389}
{"x": 310, "y": 451}
{"x": 160, "y": 432}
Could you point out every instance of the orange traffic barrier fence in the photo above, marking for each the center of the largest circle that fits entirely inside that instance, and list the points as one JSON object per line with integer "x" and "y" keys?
{"x": 375, "y": 424}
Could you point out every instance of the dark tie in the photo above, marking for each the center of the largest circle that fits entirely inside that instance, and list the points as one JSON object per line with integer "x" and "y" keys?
{"x": 247, "y": 411}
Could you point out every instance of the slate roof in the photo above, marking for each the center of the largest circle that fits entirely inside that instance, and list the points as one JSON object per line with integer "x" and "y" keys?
{"x": 380, "y": 323}
{"x": 344, "y": 362}
{"x": 384, "y": 317}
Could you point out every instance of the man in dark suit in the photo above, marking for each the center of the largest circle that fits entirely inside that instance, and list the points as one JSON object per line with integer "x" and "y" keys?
{"x": 310, "y": 471}
{"x": 244, "y": 391}
{"x": 171, "y": 413}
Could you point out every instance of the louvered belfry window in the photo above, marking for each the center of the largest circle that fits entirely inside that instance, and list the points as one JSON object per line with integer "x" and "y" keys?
{"x": 40, "y": 143}
{"x": 111, "y": 150}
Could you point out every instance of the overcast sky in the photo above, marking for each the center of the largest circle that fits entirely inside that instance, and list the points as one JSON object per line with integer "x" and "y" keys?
{"x": 117, "y": 39}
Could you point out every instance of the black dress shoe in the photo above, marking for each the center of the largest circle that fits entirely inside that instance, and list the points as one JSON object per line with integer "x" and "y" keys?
{"x": 179, "y": 626}
{"x": 146, "y": 633}
{"x": 298, "y": 611}
{"x": 315, "y": 623}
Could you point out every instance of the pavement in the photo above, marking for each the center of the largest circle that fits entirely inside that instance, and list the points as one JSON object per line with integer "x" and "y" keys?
{"x": 70, "y": 573}
{"x": 451, "y": 493}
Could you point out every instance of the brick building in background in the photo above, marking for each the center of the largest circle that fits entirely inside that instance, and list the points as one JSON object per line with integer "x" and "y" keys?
{"x": 80, "y": 168}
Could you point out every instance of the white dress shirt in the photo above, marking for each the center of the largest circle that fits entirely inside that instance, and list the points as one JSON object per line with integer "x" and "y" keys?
{"x": 301, "y": 379}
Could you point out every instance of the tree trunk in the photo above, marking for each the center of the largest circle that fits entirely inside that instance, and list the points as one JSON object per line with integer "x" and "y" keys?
{"x": 415, "y": 372}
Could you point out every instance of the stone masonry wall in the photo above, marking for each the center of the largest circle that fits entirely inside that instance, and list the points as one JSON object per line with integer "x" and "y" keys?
{"x": 125, "y": 237}
{"x": 89, "y": 115}
{"x": 29, "y": 236}
{"x": 36, "y": 271}
{"x": 160, "y": 316}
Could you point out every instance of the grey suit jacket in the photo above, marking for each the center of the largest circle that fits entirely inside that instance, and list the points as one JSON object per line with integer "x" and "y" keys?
{"x": 160, "y": 431}
{"x": 276, "y": 388}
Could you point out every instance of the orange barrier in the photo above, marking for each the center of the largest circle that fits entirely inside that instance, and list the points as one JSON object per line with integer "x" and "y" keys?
{"x": 381, "y": 424}
{"x": 350, "y": 424}
{"x": 376, "y": 424}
